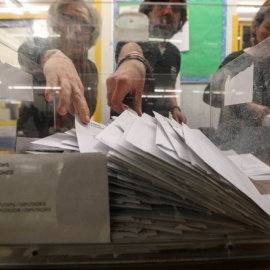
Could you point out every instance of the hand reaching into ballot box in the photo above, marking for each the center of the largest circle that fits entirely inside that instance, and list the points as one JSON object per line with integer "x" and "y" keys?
{"x": 60, "y": 73}
{"x": 129, "y": 78}
{"x": 162, "y": 60}
{"x": 178, "y": 115}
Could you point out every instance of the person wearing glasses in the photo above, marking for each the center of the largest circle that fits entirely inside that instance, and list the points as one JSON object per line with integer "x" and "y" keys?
{"x": 61, "y": 62}
{"x": 160, "y": 57}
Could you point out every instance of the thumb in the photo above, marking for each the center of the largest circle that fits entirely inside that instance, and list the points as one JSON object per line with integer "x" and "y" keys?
{"x": 137, "y": 105}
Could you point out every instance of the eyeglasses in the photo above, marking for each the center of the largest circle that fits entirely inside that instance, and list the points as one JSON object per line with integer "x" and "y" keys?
{"x": 72, "y": 21}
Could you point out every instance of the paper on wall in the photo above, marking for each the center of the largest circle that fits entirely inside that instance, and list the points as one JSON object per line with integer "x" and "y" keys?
{"x": 239, "y": 89}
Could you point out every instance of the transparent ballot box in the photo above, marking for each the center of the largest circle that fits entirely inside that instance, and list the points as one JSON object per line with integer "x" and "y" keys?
{"x": 239, "y": 89}
{"x": 134, "y": 133}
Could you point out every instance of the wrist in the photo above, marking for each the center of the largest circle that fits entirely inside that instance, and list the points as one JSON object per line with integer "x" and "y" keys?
{"x": 39, "y": 54}
{"x": 137, "y": 57}
{"x": 48, "y": 54}
{"x": 128, "y": 48}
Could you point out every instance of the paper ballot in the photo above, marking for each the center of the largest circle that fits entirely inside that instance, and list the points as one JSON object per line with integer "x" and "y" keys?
{"x": 168, "y": 182}
{"x": 86, "y": 135}
{"x": 239, "y": 89}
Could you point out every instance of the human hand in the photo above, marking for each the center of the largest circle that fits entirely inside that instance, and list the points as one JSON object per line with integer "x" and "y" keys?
{"x": 179, "y": 116}
{"x": 128, "y": 78}
{"x": 59, "y": 71}
{"x": 258, "y": 111}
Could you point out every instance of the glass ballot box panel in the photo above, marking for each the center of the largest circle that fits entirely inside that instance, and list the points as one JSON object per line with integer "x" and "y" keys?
{"x": 133, "y": 133}
{"x": 239, "y": 89}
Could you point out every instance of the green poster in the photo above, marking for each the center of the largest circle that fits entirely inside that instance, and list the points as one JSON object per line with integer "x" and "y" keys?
{"x": 206, "y": 34}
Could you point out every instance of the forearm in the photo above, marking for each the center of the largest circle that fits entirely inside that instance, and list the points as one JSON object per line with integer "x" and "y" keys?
{"x": 173, "y": 105}
{"x": 128, "y": 48}
{"x": 176, "y": 111}
{"x": 173, "y": 102}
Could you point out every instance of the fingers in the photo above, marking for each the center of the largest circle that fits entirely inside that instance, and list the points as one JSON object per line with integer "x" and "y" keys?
{"x": 72, "y": 100}
{"x": 265, "y": 111}
{"x": 65, "y": 97}
{"x": 72, "y": 109}
{"x": 260, "y": 112}
{"x": 71, "y": 96}
{"x": 184, "y": 120}
{"x": 137, "y": 102}
{"x": 180, "y": 117}
{"x": 116, "y": 91}
{"x": 80, "y": 105}
{"x": 127, "y": 79}
{"x": 120, "y": 107}
{"x": 52, "y": 84}
{"x": 60, "y": 73}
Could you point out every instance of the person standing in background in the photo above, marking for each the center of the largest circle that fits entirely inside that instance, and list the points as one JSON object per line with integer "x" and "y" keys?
{"x": 62, "y": 61}
{"x": 240, "y": 126}
{"x": 165, "y": 19}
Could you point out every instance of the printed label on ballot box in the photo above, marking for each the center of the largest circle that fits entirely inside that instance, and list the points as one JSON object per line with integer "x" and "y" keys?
{"x": 54, "y": 198}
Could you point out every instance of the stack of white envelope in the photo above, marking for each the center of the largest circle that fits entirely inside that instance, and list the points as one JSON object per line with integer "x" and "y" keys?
{"x": 168, "y": 182}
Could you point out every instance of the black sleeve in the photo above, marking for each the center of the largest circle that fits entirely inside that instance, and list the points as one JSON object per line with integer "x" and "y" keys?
{"x": 28, "y": 56}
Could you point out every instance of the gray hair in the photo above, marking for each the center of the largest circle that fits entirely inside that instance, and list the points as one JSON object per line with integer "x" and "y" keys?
{"x": 54, "y": 13}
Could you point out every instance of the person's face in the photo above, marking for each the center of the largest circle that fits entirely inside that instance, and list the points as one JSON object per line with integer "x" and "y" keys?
{"x": 75, "y": 30}
{"x": 263, "y": 30}
{"x": 164, "y": 19}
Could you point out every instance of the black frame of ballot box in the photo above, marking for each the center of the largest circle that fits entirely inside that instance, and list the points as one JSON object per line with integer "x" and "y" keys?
{"x": 126, "y": 255}
{"x": 227, "y": 249}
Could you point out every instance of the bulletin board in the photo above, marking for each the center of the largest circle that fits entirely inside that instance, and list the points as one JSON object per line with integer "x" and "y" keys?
{"x": 207, "y": 39}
